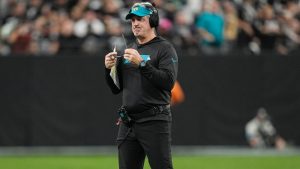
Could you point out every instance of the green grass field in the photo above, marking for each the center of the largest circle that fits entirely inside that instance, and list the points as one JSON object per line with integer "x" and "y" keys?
{"x": 180, "y": 162}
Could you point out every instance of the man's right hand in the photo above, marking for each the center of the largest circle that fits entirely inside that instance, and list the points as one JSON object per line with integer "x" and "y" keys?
{"x": 110, "y": 59}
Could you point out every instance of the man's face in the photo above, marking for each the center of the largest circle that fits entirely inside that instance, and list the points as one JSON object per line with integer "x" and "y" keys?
{"x": 140, "y": 26}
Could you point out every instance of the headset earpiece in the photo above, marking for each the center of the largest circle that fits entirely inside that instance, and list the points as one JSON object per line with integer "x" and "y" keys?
{"x": 154, "y": 18}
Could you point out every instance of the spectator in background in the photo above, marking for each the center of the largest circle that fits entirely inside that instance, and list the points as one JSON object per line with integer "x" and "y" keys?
{"x": 290, "y": 26}
{"x": 90, "y": 24}
{"x": 20, "y": 39}
{"x": 210, "y": 24}
{"x": 261, "y": 133}
{"x": 268, "y": 29}
{"x": 246, "y": 40}
{"x": 184, "y": 29}
{"x": 231, "y": 25}
{"x": 46, "y": 32}
{"x": 90, "y": 29}
{"x": 12, "y": 20}
{"x": 68, "y": 42}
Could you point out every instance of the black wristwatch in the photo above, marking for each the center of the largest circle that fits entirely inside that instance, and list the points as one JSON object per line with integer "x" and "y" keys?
{"x": 142, "y": 64}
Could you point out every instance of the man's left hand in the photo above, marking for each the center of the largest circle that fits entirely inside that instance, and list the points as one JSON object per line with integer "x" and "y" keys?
{"x": 133, "y": 56}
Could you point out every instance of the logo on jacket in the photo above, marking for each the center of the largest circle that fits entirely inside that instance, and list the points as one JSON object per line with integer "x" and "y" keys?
{"x": 174, "y": 60}
{"x": 145, "y": 58}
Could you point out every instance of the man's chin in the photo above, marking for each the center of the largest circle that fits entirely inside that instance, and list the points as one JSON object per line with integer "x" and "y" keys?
{"x": 137, "y": 35}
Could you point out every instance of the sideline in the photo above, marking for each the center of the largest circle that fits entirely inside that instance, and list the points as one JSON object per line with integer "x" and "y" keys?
{"x": 177, "y": 150}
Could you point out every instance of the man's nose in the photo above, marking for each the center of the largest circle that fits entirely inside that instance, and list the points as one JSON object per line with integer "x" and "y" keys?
{"x": 135, "y": 23}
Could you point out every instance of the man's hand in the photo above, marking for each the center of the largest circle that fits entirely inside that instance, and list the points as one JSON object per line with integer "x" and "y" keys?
{"x": 133, "y": 56}
{"x": 110, "y": 60}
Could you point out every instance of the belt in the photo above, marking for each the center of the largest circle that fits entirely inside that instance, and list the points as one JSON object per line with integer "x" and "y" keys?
{"x": 150, "y": 112}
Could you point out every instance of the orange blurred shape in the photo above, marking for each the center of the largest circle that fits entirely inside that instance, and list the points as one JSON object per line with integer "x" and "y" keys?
{"x": 177, "y": 94}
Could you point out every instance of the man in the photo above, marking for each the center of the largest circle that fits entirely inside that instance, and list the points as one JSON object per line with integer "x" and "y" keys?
{"x": 146, "y": 74}
{"x": 210, "y": 25}
{"x": 261, "y": 133}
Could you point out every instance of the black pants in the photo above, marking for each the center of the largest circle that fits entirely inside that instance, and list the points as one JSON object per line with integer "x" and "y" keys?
{"x": 151, "y": 138}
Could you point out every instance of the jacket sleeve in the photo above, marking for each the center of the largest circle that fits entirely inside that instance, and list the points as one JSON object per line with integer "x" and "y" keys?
{"x": 110, "y": 82}
{"x": 165, "y": 75}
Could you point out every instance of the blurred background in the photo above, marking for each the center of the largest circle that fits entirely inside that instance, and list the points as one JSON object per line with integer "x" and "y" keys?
{"x": 239, "y": 59}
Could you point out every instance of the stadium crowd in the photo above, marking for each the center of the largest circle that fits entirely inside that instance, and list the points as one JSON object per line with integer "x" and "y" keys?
{"x": 69, "y": 27}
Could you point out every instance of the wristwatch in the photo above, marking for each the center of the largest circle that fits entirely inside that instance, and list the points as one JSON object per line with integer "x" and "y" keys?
{"x": 142, "y": 64}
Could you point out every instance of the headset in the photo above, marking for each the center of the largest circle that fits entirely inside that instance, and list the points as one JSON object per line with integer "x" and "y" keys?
{"x": 154, "y": 18}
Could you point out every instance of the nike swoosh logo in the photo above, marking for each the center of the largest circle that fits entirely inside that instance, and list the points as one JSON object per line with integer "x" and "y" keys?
{"x": 174, "y": 60}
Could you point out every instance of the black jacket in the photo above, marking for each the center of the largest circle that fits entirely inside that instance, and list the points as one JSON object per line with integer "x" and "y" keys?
{"x": 151, "y": 85}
